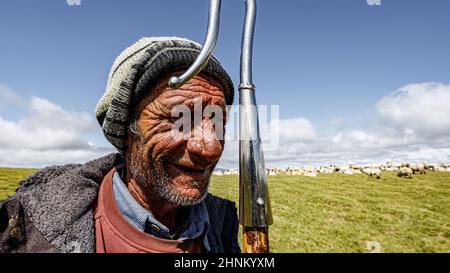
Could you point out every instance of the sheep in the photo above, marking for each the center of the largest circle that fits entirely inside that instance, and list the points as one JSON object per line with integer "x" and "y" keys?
{"x": 371, "y": 172}
{"x": 325, "y": 169}
{"x": 288, "y": 171}
{"x": 337, "y": 168}
{"x": 310, "y": 173}
{"x": 346, "y": 171}
{"x": 309, "y": 168}
{"x": 356, "y": 169}
{"x": 294, "y": 171}
{"x": 405, "y": 172}
{"x": 230, "y": 172}
{"x": 375, "y": 165}
{"x": 420, "y": 168}
{"x": 297, "y": 171}
{"x": 271, "y": 172}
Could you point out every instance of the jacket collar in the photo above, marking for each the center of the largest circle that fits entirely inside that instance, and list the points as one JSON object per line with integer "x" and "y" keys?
{"x": 58, "y": 200}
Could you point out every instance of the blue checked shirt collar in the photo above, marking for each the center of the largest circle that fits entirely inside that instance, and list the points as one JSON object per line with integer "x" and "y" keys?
{"x": 197, "y": 224}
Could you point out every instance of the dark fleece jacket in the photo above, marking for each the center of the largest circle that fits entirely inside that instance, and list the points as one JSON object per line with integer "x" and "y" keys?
{"x": 52, "y": 211}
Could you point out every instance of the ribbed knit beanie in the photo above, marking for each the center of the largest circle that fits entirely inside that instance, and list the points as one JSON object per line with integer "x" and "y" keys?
{"x": 137, "y": 69}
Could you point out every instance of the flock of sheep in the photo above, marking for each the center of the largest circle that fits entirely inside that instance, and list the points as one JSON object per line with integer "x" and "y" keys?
{"x": 406, "y": 170}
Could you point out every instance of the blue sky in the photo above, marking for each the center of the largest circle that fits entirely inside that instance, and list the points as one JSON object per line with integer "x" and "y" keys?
{"x": 326, "y": 62}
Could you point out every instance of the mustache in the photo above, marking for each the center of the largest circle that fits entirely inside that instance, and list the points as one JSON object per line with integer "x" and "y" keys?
{"x": 187, "y": 160}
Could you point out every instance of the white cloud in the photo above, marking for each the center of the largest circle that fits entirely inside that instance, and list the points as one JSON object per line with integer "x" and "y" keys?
{"x": 45, "y": 114}
{"x": 423, "y": 108}
{"x": 48, "y": 135}
{"x": 295, "y": 129}
{"x": 413, "y": 124}
{"x": 23, "y": 135}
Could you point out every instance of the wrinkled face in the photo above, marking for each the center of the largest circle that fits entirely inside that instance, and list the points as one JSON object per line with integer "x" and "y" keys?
{"x": 179, "y": 140}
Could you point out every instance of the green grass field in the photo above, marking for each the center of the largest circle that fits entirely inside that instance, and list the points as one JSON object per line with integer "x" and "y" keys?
{"x": 342, "y": 213}
{"x": 9, "y": 180}
{"x": 345, "y": 213}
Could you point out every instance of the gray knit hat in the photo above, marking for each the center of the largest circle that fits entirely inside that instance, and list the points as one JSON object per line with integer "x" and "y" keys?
{"x": 137, "y": 69}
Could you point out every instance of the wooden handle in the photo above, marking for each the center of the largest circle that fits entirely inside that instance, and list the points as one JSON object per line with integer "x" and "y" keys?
{"x": 256, "y": 240}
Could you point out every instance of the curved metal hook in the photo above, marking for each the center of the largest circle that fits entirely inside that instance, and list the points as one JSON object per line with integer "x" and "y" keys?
{"x": 247, "y": 45}
{"x": 207, "y": 49}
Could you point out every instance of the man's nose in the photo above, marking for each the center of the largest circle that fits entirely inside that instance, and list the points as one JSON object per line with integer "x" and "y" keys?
{"x": 204, "y": 141}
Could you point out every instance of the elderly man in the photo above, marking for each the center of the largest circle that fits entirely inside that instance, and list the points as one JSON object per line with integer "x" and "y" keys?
{"x": 151, "y": 196}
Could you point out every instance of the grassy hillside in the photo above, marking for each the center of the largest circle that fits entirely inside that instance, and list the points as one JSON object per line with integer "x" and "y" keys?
{"x": 342, "y": 213}
{"x": 9, "y": 178}
{"x": 349, "y": 213}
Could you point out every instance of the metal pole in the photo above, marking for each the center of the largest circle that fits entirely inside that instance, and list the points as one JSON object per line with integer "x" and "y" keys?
{"x": 207, "y": 49}
{"x": 254, "y": 205}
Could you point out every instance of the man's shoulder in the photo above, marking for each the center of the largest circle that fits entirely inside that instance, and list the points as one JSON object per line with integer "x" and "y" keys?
{"x": 222, "y": 212}
{"x": 224, "y": 224}
{"x": 53, "y": 205}
{"x": 44, "y": 175}
{"x": 94, "y": 169}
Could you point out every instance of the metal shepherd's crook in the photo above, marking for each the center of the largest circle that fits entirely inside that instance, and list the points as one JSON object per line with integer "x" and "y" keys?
{"x": 254, "y": 205}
